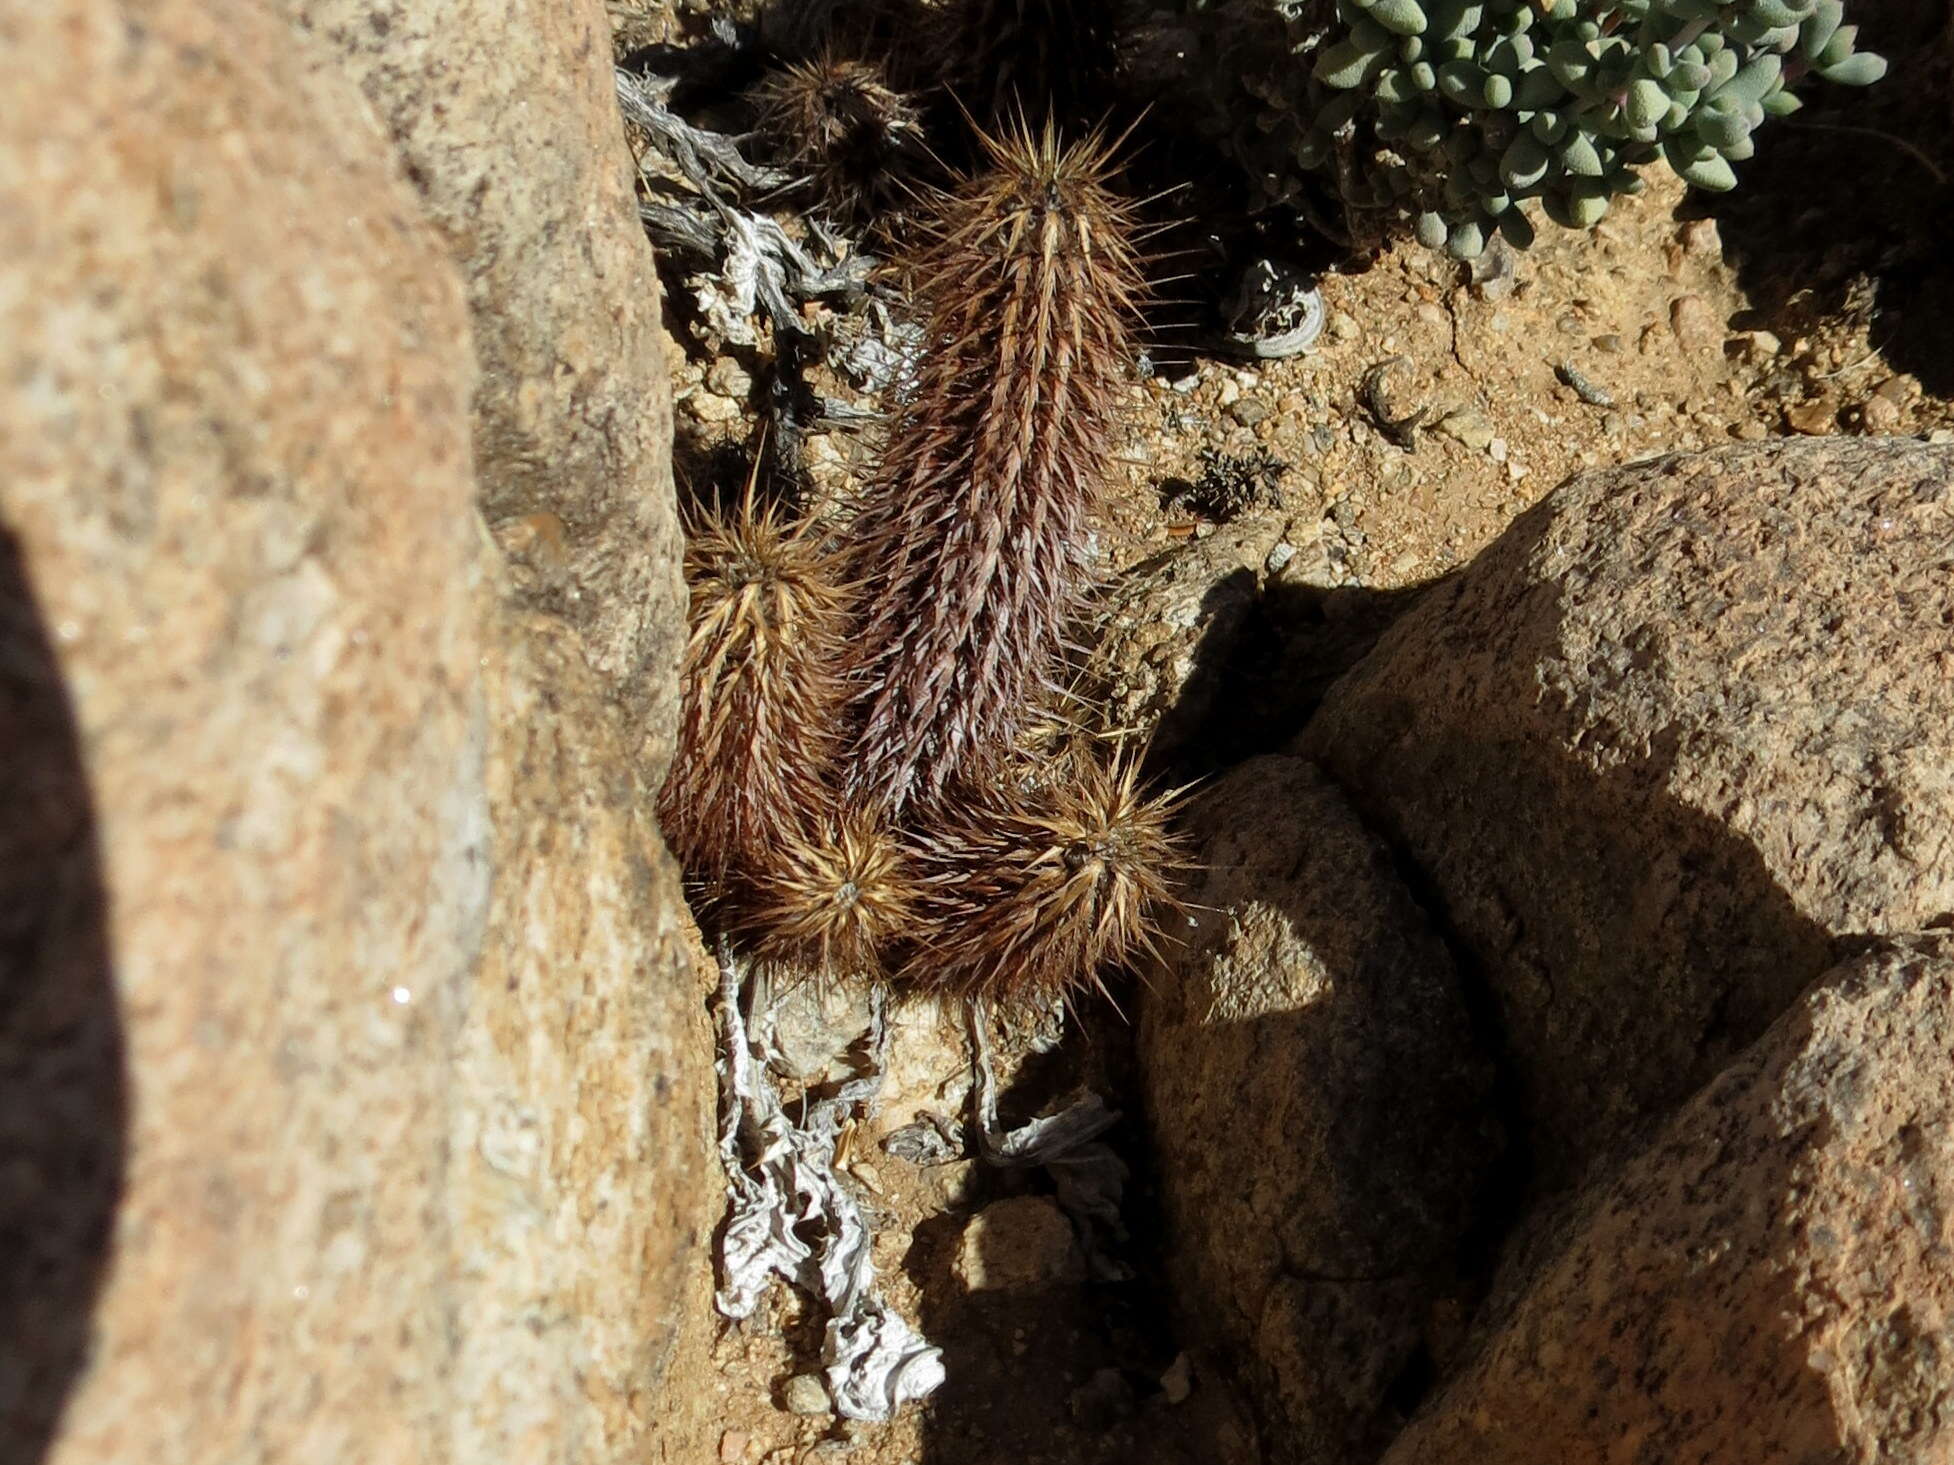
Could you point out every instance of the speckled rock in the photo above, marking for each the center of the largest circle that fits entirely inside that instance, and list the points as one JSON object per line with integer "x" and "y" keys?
{"x": 1769, "y": 1279}
{"x": 1169, "y": 629}
{"x": 583, "y": 1183}
{"x": 345, "y": 999}
{"x": 507, "y": 123}
{"x": 1685, "y": 723}
{"x": 236, "y": 469}
{"x": 1318, "y": 1112}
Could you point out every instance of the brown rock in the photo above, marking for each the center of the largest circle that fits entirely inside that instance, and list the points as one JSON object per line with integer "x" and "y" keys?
{"x": 1025, "y": 1241}
{"x": 1769, "y": 1279}
{"x": 1169, "y": 630}
{"x": 507, "y": 123}
{"x": 1685, "y": 723}
{"x": 1879, "y": 414}
{"x": 235, "y": 467}
{"x": 347, "y": 1000}
{"x": 1814, "y": 418}
{"x": 584, "y": 1184}
{"x": 1317, "y": 1108}
{"x": 1695, "y": 324}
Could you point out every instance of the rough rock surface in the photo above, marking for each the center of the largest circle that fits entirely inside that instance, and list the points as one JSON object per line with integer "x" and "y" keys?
{"x": 341, "y": 975}
{"x": 1169, "y": 629}
{"x": 1318, "y": 1112}
{"x": 507, "y": 123}
{"x": 584, "y": 1179}
{"x": 1769, "y": 1279}
{"x": 1685, "y": 723}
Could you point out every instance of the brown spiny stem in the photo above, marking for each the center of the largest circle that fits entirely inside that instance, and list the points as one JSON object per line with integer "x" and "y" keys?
{"x": 836, "y": 900}
{"x": 1029, "y": 895}
{"x": 762, "y": 696}
{"x": 1008, "y": 58}
{"x": 971, "y": 542}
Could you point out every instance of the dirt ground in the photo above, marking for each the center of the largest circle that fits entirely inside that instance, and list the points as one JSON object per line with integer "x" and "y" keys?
{"x": 1817, "y": 299}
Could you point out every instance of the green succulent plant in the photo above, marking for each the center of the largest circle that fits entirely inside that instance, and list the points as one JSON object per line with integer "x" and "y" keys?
{"x": 1452, "y": 115}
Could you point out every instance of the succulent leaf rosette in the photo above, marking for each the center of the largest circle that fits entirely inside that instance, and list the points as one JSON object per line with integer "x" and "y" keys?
{"x": 1452, "y": 115}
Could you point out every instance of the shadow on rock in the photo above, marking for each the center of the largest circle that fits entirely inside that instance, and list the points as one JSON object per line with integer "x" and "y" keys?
{"x": 63, "y": 1092}
{"x": 1323, "y": 1119}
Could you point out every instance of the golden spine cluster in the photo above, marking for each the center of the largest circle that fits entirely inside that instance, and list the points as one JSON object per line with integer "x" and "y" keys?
{"x": 874, "y": 819}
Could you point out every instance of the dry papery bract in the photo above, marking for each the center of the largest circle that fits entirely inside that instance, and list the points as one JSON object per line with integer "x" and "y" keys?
{"x": 1031, "y": 894}
{"x": 971, "y": 544}
{"x": 762, "y": 697}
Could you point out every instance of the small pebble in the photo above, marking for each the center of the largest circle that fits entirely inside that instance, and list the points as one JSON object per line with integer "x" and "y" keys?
{"x": 1024, "y": 1241}
{"x": 1814, "y": 419}
{"x": 732, "y": 1446}
{"x": 1879, "y": 414}
{"x": 1569, "y": 325}
{"x": 1700, "y": 237}
{"x": 1759, "y": 345}
{"x": 1231, "y": 392}
{"x": 1496, "y": 450}
{"x": 805, "y": 1393}
{"x": 1694, "y": 323}
{"x": 1464, "y": 425}
{"x": 1342, "y": 328}
{"x": 1177, "y": 1382}
{"x": 1895, "y": 389}
{"x": 728, "y": 378}
{"x": 1611, "y": 343}
{"x": 710, "y": 407}
{"x": 1249, "y": 411}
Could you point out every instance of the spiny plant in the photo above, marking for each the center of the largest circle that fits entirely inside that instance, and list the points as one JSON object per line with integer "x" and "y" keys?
{"x": 839, "y": 122}
{"x": 972, "y": 537}
{"x": 837, "y": 901}
{"x": 762, "y": 697}
{"x": 1030, "y": 892}
{"x": 1448, "y": 117}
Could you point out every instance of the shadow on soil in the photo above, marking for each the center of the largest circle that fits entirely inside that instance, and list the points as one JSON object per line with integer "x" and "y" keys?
{"x": 1848, "y": 204}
